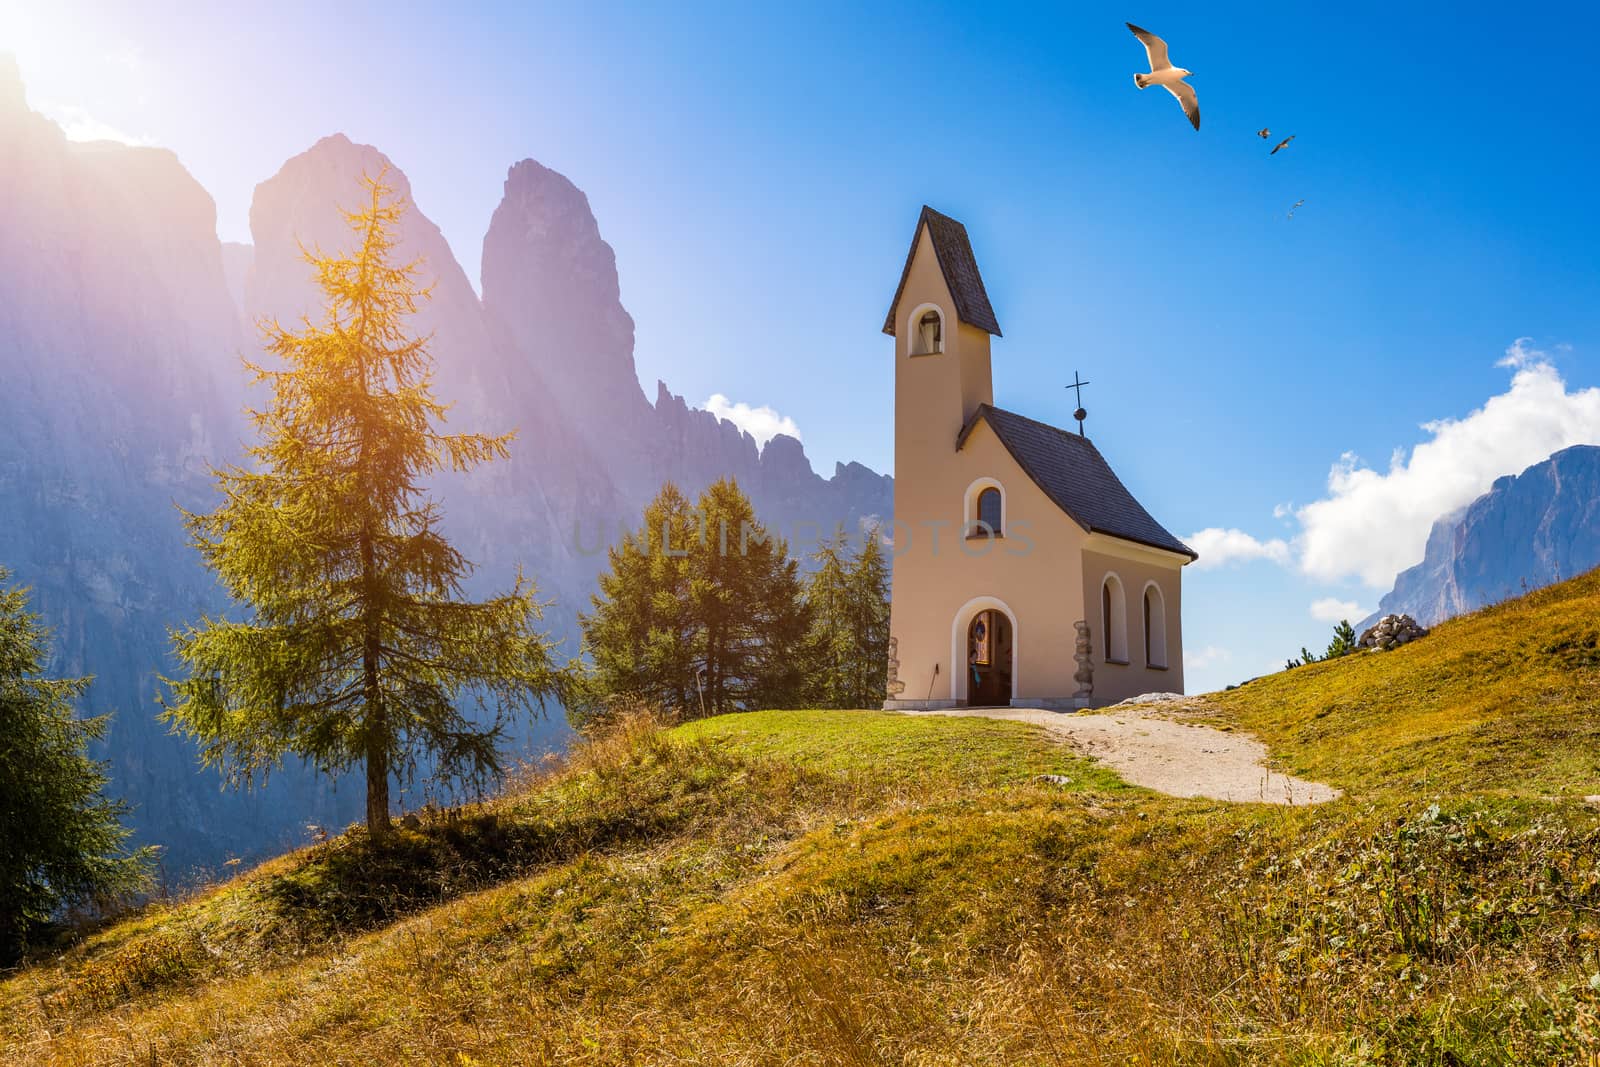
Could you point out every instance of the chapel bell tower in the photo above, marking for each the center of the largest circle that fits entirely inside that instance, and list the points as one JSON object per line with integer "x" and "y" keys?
{"x": 941, "y": 322}
{"x": 1025, "y": 572}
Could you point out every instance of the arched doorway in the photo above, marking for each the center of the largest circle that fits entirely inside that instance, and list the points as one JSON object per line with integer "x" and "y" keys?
{"x": 990, "y": 643}
{"x": 1002, "y": 671}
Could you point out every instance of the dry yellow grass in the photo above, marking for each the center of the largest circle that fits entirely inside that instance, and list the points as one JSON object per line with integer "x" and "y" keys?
{"x": 859, "y": 888}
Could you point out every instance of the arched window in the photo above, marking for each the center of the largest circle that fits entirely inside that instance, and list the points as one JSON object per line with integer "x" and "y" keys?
{"x": 927, "y": 331}
{"x": 1155, "y": 627}
{"x": 988, "y": 513}
{"x": 983, "y": 509}
{"x": 1114, "y": 620}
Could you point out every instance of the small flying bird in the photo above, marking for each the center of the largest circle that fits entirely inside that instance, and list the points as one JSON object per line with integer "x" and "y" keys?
{"x": 1297, "y": 204}
{"x": 1164, "y": 74}
{"x": 1263, "y": 133}
{"x": 1281, "y": 145}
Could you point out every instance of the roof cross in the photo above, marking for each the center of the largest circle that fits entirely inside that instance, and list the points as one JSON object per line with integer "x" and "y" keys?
{"x": 1080, "y": 414}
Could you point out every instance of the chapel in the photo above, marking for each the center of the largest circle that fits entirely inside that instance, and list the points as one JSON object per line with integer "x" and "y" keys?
{"x": 1025, "y": 572}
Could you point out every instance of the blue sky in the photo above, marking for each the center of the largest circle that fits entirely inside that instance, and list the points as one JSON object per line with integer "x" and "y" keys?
{"x": 757, "y": 167}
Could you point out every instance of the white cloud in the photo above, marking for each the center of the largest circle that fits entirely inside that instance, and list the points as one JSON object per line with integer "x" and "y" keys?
{"x": 1331, "y": 609}
{"x": 1373, "y": 525}
{"x": 762, "y": 423}
{"x": 79, "y": 125}
{"x": 1519, "y": 355}
{"x": 1217, "y": 547}
{"x": 1198, "y": 659}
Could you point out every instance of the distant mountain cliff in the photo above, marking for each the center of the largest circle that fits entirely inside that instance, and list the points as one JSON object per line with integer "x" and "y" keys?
{"x": 118, "y": 387}
{"x": 1527, "y": 531}
{"x": 551, "y": 296}
{"x": 549, "y": 352}
{"x": 122, "y": 319}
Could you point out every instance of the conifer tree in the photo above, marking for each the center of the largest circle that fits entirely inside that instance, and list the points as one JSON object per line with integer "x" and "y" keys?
{"x": 360, "y": 647}
{"x": 869, "y": 600}
{"x": 700, "y": 611}
{"x": 62, "y": 841}
{"x": 744, "y": 593}
{"x": 848, "y": 643}
{"x": 831, "y": 642}
{"x": 1344, "y": 640}
{"x": 640, "y": 635}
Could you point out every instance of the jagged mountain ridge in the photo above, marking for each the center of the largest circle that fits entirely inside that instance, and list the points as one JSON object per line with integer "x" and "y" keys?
{"x": 1528, "y": 531}
{"x": 122, "y": 319}
{"x": 548, "y": 351}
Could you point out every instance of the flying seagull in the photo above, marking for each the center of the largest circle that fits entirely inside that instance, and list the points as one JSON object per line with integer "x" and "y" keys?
{"x": 1263, "y": 133}
{"x": 1297, "y": 204}
{"x": 1281, "y": 145}
{"x": 1164, "y": 74}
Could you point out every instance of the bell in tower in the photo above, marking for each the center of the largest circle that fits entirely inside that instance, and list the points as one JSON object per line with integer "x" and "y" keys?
{"x": 930, "y": 335}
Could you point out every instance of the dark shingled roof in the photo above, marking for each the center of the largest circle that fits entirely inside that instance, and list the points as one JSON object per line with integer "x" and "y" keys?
{"x": 1074, "y": 474}
{"x": 960, "y": 269}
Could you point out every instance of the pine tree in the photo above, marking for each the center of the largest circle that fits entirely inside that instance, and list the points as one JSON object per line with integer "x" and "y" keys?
{"x": 700, "y": 611}
{"x": 869, "y": 600}
{"x": 830, "y": 646}
{"x": 744, "y": 594}
{"x": 1344, "y": 640}
{"x": 360, "y": 647}
{"x": 62, "y": 841}
{"x": 847, "y": 648}
{"x": 639, "y": 634}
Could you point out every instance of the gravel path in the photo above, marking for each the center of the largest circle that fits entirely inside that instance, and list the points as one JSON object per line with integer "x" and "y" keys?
{"x": 1146, "y": 746}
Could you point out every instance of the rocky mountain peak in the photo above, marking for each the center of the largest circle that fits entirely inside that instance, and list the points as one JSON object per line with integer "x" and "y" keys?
{"x": 550, "y": 288}
{"x": 784, "y": 457}
{"x": 301, "y": 206}
{"x": 665, "y": 399}
{"x": 549, "y": 220}
{"x": 1527, "y": 531}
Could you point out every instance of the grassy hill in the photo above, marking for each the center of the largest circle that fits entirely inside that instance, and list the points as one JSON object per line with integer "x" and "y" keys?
{"x": 864, "y": 888}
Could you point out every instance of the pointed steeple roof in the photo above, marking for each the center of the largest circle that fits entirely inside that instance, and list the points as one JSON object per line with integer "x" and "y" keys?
{"x": 960, "y": 269}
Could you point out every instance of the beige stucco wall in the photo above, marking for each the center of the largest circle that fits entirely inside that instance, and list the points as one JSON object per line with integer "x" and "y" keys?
{"x": 941, "y": 578}
{"x": 1135, "y": 568}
